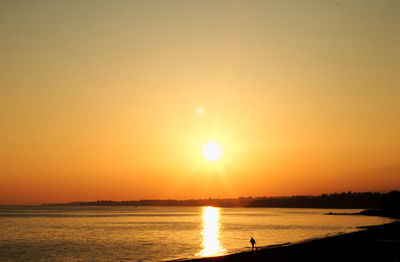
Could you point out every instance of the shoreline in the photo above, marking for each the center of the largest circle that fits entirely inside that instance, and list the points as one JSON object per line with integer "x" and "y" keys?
{"x": 371, "y": 243}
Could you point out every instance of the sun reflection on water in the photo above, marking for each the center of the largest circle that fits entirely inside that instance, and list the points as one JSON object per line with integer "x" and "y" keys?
{"x": 210, "y": 233}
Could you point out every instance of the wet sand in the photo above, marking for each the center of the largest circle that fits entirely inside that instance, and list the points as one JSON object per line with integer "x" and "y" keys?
{"x": 376, "y": 243}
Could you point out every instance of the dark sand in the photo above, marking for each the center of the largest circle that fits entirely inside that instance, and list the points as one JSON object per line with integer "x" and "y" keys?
{"x": 376, "y": 243}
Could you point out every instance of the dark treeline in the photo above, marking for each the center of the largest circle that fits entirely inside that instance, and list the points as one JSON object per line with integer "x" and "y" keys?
{"x": 366, "y": 200}
{"x": 343, "y": 200}
{"x": 229, "y": 202}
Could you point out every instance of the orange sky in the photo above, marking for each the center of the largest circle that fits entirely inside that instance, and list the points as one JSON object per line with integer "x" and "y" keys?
{"x": 98, "y": 99}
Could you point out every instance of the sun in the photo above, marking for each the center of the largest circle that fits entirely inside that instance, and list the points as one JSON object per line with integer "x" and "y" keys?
{"x": 212, "y": 151}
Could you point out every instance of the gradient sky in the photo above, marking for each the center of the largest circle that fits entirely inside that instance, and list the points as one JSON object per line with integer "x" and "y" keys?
{"x": 98, "y": 99}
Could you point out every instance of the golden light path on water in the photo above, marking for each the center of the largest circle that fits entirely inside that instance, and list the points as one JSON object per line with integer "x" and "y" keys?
{"x": 210, "y": 233}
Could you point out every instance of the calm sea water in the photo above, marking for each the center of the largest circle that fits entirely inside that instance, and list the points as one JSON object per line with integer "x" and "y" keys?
{"x": 158, "y": 233}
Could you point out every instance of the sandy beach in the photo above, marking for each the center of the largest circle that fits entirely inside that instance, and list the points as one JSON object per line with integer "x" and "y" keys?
{"x": 375, "y": 243}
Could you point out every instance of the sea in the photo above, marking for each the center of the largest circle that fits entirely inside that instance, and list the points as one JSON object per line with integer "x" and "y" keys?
{"x": 81, "y": 233}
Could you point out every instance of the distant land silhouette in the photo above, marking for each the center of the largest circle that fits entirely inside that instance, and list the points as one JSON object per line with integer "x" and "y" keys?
{"x": 388, "y": 203}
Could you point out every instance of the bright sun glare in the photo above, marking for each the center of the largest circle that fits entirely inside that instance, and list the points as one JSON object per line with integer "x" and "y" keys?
{"x": 212, "y": 151}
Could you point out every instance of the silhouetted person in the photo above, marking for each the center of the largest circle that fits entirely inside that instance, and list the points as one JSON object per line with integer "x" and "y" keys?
{"x": 253, "y": 242}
